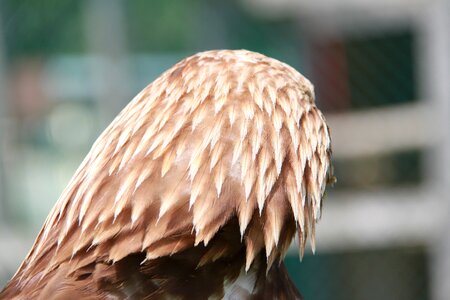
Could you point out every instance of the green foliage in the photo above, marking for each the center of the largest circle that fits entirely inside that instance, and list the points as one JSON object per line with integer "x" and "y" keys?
{"x": 41, "y": 27}
{"x": 160, "y": 25}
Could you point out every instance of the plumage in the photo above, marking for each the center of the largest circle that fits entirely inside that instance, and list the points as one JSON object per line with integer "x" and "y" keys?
{"x": 194, "y": 190}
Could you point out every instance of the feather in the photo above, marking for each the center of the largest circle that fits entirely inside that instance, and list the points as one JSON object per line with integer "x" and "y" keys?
{"x": 254, "y": 242}
{"x": 201, "y": 181}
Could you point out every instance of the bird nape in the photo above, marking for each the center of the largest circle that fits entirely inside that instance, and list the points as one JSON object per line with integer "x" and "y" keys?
{"x": 194, "y": 191}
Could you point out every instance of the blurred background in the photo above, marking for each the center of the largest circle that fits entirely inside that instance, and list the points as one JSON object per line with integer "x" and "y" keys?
{"x": 382, "y": 75}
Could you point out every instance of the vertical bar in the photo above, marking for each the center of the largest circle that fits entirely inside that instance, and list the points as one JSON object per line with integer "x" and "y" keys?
{"x": 4, "y": 114}
{"x": 434, "y": 67}
{"x": 105, "y": 34}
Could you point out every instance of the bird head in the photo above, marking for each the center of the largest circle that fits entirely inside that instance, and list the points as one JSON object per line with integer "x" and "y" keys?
{"x": 221, "y": 135}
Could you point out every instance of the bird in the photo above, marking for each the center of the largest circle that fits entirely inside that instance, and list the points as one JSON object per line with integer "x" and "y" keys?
{"x": 196, "y": 190}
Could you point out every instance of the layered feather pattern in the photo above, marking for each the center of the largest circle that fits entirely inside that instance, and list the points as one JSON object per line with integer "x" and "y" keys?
{"x": 221, "y": 136}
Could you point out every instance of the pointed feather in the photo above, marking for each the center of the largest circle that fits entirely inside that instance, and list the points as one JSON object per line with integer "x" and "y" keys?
{"x": 254, "y": 243}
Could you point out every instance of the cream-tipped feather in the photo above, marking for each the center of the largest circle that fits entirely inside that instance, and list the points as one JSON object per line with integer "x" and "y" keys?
{"x": 219, "y": 135}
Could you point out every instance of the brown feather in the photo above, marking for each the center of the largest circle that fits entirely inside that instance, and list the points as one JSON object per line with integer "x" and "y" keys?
{"x": 194, "y": 190}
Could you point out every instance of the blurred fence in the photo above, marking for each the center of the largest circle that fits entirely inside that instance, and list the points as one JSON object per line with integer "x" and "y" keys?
{"x": 381, "y": 75}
